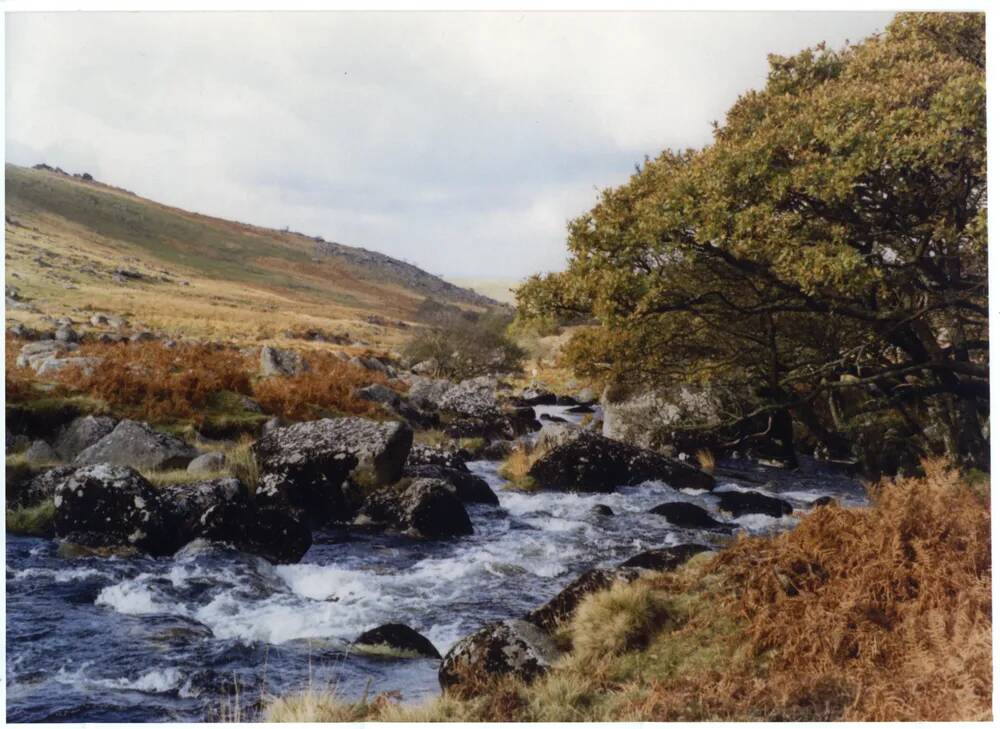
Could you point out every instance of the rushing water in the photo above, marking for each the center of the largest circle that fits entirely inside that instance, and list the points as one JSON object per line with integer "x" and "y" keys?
{"x": 144, "y": 639}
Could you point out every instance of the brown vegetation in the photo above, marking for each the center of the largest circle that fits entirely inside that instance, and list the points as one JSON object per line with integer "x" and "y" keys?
{"x": 328, "y": 386}
{"x": 882, "y": 613}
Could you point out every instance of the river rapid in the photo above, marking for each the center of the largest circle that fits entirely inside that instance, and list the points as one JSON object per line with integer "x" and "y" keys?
{"x": 179, "y": 638}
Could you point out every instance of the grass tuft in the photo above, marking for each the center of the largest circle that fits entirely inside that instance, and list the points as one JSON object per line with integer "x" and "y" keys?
{"x": 33, "y": 521}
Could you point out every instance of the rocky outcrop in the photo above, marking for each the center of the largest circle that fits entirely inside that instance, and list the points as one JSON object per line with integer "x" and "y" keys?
{"x": 665, "y": 558}
{"x": 395, "y": 640}
{"x": 513, "y": 648}
{"x": 585, "y": 461}
{"x": 469, "y": 488}
{"x": 426, "y": 508}
{"x": 33, "y": 355}
{"x": 394, "y": 403}
{"x": 81, "y": 434}
{"x": 687, "y": 515}
{"x": 111, "y": 506}
{"x": 306, "y": 464}
{"x": 563, "y": 605}
{"x": 474, "y": 398}
{"x": 427, "y": 392}
{"x": 137, "y": 445}
{"x": 739, "y": 503}
{"x": 280, "y": 362}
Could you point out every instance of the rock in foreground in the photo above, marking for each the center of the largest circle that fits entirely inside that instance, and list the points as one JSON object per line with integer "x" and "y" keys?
{"x": 396, "y": 640}
{"x": 510, "y": 648}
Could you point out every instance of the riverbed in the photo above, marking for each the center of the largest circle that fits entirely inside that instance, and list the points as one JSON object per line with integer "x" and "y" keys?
{"x": 186, "y": 637}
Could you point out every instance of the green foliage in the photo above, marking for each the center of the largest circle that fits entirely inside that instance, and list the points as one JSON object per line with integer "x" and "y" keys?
{"x": 466, "y": 344}
{"x": 835, "y": 229}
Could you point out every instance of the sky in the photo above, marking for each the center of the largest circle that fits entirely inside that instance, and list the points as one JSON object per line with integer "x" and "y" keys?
{"x": 461, "y": 142}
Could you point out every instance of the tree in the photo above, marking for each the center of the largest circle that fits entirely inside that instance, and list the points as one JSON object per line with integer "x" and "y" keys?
{"x": 827, "y": 251}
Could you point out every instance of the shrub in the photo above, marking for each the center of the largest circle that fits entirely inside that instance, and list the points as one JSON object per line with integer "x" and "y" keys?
{"x": 465, "y": 347}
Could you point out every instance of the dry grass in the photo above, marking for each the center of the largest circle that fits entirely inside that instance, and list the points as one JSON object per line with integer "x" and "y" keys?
{"x": 517, "y": 465}
{"x": 706, "y": 460}
{"x": 327, "y": 387}
{"x": 148, "y": 381}
{"x": 876, "y": 614}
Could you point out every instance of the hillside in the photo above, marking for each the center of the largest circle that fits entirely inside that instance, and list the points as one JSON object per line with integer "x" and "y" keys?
{"x": 189, "y": 274}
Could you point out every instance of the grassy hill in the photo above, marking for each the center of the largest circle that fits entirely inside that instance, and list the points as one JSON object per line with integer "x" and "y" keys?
{"x": 198, "y": 276}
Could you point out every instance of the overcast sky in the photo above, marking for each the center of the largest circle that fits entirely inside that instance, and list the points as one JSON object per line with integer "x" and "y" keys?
{"x": 462, "y": 142}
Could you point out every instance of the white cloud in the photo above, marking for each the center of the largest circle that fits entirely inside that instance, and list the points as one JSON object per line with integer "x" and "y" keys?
{"x": 460, "y": 141}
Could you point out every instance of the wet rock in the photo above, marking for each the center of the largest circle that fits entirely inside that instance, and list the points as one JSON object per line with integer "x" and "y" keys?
{"x": 421, "y": 455}
{"x": 585, "y": 461}
{"x": 137, "y": 445}
{"x": 469, "y": 488}
{"x": 513, "y": 648}
{"x": 552, "y": 418}
{"x": 280, "y": 362}
{"x": 601, "y": 510}
{"x": 823, "y": 501}
{"x": 396, "y": 639}
{"x": 40, "y": 453}
{"x": 581, "y": 409}
{"x": 207, "y": 463}
{"x": 186, "y": 504}
{"x": 739, "y": 503}
{"x": 271, "y": 531}
{"x": 426, "y": 508}
{"x": 563, "y": 605}
{"x": 687, "y": 515}
{"x": 110, "y": 506}
{"x": 666, "y": 558}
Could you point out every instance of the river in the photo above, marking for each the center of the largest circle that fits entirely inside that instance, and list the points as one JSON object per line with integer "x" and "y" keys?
{"x": 179, "y": 638}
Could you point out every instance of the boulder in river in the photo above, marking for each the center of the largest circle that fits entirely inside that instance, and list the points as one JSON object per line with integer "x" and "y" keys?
{"x": 185, "y": 505}
{"x": 665, "y": 558}
{"x": 585, "y": 461}
{"x": 395, "y": 640}
{"x": 563, "y": 605}
{"x": 108, "y": 505}
{"x": 306, "y": 464}
{"x": 272, "y": 531}
{"x": 601, "y": 510}
{"x": 514, "y": 648}
{"x": 739, "y": 503}
{"x": 426, "y": 507}
{"x": 137, "y": 445}
{"x": 469, "y": 488}
{"x": 687, "y": 515}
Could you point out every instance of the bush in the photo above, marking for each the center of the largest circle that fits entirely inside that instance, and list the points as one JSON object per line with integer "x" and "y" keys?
{"x": 467, "y": 347}
{"x": 32, "y": 521}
